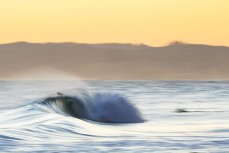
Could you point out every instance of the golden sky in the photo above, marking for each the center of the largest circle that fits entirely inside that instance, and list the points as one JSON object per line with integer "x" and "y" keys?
{"x": 152, "y": 22}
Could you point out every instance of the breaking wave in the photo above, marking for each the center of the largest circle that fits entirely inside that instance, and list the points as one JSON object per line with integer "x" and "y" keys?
{"x": 99, "y": 107}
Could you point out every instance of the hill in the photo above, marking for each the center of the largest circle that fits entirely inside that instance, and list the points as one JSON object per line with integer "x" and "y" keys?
{"x": 176, "y": 61}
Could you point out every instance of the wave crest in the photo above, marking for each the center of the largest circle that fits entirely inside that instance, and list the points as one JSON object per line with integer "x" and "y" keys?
{"x": 99, "y": 107}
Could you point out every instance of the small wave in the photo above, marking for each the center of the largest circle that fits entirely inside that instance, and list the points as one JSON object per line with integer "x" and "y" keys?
{"x": 98, "y": 107}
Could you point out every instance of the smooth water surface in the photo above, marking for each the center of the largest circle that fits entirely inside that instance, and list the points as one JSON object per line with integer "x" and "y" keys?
{"x": 27, "y": 126}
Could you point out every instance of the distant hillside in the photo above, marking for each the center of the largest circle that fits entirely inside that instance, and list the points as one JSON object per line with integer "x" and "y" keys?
{"x": 114, "y": 61}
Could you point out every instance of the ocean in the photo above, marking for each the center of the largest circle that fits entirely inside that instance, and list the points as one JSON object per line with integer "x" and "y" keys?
{"x": 151, "y": 116}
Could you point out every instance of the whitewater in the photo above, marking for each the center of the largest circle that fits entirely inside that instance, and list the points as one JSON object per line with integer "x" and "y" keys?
{"x": 114, "y": 116}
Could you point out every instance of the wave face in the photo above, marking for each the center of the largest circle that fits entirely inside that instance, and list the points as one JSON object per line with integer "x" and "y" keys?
{"x": 98, "y": 107}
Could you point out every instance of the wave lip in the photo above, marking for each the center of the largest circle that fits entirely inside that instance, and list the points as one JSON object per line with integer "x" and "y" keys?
{"x": 115, "y": 108}
{"x": 100, "y": 107}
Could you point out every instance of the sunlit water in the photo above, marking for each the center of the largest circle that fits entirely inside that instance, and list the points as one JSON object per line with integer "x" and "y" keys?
{"x": 24, "y": 127}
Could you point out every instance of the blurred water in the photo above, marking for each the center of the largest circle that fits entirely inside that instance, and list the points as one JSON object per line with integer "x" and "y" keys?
{"x": 204, "y": 128}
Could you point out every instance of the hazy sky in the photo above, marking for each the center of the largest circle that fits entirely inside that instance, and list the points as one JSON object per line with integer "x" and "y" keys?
{"x": 152, "y": 22}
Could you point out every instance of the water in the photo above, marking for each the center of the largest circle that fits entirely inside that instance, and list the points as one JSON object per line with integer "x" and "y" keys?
{"x": 27, "y": 126}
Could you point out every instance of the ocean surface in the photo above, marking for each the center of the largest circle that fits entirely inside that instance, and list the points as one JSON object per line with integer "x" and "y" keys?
{"x": 179, "y": 117}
